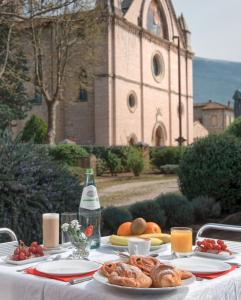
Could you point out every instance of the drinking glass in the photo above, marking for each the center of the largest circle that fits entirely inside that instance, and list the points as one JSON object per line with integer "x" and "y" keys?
{"x": 66, "y": 217}
{"x": 51, "y": 230}
{"x": 181, "y": 241}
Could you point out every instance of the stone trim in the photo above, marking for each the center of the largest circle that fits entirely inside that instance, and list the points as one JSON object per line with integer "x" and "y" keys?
{"x": 144, "y": 84}
{"x": 136, "y": 30}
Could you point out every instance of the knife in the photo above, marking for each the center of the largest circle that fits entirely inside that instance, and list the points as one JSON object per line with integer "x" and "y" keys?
{"x": 79, "y": 280}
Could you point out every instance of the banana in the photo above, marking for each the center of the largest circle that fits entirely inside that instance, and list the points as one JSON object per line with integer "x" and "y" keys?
{"x": 123, "y": 240}
{"x": 166, "y": 238}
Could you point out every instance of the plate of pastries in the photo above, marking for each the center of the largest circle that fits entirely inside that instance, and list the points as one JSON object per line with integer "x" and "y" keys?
{"x": 143, "y": 274}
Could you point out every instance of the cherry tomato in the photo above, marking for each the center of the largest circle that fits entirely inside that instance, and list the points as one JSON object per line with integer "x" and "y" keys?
{"x": 33, "y": 249}
{"x": 22, "y": 256}
{"x": 89, "y": 230}
{"x": 34, "y": 244}
{"x": 16, "y": 251}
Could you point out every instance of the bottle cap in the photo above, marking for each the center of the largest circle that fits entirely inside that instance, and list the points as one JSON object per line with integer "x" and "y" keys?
{"x": 89, "y": 171}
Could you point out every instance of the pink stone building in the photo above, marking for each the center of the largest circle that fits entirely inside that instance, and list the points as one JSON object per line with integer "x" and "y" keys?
{"x": 135, "y": 93}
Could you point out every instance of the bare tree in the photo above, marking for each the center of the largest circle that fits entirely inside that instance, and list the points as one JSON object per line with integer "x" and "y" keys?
{"x": 58, "y": 29}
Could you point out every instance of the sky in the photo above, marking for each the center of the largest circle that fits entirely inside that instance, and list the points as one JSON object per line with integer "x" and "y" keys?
{"x": 215, "y": 27}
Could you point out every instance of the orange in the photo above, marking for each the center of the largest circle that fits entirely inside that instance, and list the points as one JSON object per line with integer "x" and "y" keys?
{"x": 152, "y": 227}
{"x": 124, "y": 229}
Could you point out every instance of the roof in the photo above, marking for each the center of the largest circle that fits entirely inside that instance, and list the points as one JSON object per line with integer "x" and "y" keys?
{"x": 212, "y": 105}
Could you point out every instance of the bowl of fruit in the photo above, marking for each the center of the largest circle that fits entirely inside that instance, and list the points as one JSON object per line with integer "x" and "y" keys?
{"x": 213, "y": 249}
{"x": 27, "y": 254}
{"x": 137, "y": 228}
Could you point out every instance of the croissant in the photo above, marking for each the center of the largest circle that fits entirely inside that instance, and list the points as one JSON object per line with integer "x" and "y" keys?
{"x": 108, "y": 268}
{"x": 129, "y": 276}
{"x": 165, "y": 276}
{"x": 145, "y": 264}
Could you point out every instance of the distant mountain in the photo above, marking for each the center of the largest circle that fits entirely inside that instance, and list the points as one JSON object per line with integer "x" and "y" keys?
{"x": 215, "y": 79}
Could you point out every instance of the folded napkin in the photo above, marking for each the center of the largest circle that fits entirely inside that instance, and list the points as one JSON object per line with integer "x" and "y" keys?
{"x": 33, "y": 271}
{"x": 215, "y": 275}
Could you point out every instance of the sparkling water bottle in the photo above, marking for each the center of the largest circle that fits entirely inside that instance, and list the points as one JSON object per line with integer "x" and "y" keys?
{"x": 89, "y": 208}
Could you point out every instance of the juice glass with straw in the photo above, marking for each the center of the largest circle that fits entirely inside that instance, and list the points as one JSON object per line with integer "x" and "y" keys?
{"x": 181, "y": 241}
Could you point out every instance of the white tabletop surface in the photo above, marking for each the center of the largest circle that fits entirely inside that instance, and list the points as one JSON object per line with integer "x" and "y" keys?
{"x": 20, "y": 286}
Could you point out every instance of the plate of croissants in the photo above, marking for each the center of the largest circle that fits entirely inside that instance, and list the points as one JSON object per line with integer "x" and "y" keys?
{"x": 143, "y": 274}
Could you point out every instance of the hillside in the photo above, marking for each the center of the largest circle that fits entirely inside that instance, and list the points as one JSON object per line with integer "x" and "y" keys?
{"x": 215, "y": 79}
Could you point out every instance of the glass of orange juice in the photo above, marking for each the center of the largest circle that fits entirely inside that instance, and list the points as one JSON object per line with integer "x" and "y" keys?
{"x": 181, "y": 241}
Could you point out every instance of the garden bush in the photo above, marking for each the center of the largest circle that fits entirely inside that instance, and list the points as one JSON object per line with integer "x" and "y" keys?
{"x": 150, "y": 211}
{"x": 35, "y": 130}
{"x": 135, "y": 161}
{"x": 68, "y": 153}
{"x": 205, "y": 207}
{"x": 166, "y": 156}
{"x": 235, "y": 128}
{"x": 178, "y": 210}
{"x": 112, "y": 217}
{"x": 31, "y": 184}
{"x": 169, "y": 169}
{"x": 101, "y": 167}
{"x": 212, "y": 167}
{"x": 113, "y": 163}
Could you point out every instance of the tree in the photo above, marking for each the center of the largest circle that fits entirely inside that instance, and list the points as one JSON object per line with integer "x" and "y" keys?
{"x": 14, "y": 102}
{"x": 57, "y": 29}
{"x": 70, "y": 30}
{"x": 235, "y": 128}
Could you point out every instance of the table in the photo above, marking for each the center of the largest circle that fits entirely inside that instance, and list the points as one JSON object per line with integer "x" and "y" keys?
{"x": 20, "y": 286}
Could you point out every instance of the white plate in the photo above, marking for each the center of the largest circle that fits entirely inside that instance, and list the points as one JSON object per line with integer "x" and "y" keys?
{"x": 105, "y": 242}
{"x": 200, "y": 265}
{"x": 222, "y": 255}
{"x": 26, "y": 261}
{"x": 68, "y": 267}
{"x": 103, "y": 280}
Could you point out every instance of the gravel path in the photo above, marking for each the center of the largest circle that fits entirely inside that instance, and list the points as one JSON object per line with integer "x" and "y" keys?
{"x": 131, "y": 192}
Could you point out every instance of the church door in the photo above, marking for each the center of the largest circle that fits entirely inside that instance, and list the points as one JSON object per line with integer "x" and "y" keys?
{"x": 159, "y": 137}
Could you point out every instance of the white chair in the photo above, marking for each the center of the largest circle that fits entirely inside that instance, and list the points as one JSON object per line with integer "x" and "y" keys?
{"x": 8, "y": 247}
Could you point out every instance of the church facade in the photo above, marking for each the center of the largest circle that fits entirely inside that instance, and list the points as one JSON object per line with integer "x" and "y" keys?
{"x": 134, "y": 97}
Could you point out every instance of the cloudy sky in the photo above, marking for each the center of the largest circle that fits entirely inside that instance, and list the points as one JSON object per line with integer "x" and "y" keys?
{"x": 215, "y": 26}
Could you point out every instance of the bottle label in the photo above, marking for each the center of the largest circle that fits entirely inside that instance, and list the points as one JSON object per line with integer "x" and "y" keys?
{"x": 90, "y": 198}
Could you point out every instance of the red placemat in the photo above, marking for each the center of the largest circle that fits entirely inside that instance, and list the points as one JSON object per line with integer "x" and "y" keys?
{"x": 33, "y": 271}
{"x": 215, "y": 275}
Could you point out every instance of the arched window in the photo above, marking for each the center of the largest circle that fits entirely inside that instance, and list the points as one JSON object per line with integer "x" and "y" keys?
{"x": 83, "y": 93}
{"x": 156, "y": 22}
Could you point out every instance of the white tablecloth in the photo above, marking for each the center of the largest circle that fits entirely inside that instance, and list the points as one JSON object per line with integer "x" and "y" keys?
{"x": 21, "y": 286}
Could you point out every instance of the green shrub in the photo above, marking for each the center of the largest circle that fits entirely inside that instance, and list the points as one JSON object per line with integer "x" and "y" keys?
{"x": 169, "y": 169}
{"x": 77, "y": 172}
{"x": 235, "y": 128}
{"x": 178, "y": 210}
{"x": 68, "y": 153}
{"x": 212, "y": 167}
{"x": 113, "y": 163}
{"x": 112, "y": 218}
{"x": 32, "y": 184}
{"x": 205, "y": 207}
{"x": 101, "y": 167}
{"x": 166, "y": 156}
{"x": 135, "y": 161}
{"x": 150, "y": 211}
{"x": 35, "y": 130}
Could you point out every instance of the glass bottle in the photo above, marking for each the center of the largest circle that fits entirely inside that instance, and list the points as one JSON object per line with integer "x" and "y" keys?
{"x": 89, "y": 208}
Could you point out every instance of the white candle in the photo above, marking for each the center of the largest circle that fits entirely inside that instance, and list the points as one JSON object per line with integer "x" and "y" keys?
{"x": 51, "y": 230}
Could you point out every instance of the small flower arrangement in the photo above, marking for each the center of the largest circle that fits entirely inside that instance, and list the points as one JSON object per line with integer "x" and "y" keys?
{"x": 80, "y": 239}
